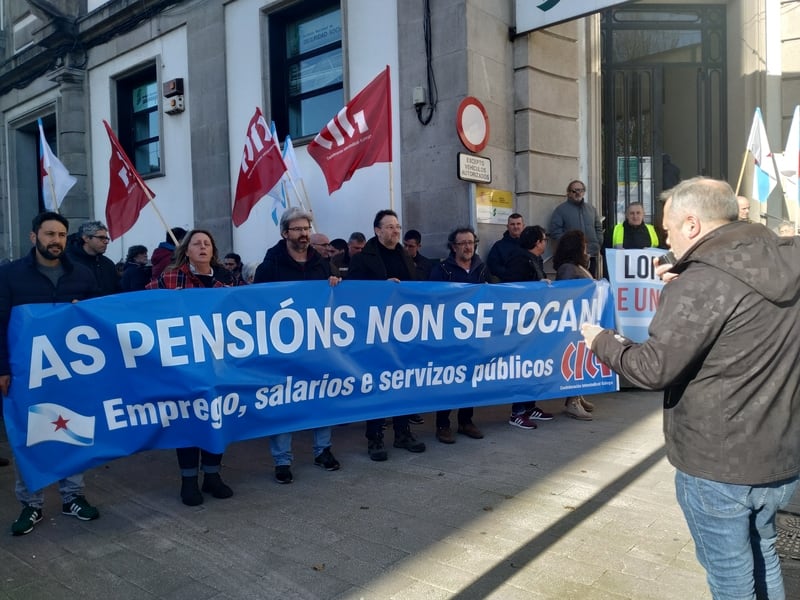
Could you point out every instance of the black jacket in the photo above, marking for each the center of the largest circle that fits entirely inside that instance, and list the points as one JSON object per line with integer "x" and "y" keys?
{"x": 502, "y": 250}
{"x": 22, "y": 283}
{"x": 450, "y": 270}
{"x": 368, "y": 263}
{"x": 279, "y": 266}
{"x": 103, "y": 268}
{"x": 135, "y": 276}
{"x": 423, "y": 266}
{"x": 723, "y": 346}
{"x": 524, "y": 266}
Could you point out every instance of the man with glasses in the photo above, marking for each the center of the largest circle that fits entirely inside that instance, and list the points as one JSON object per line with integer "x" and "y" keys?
{"x": 294, "y": 259}
{"x": 383, "y": 258}
{"x": 576, "y": 213}
{"x": 463, "y": 265}
{"x": 88, "y": 249}
{"x": 322, "y": 244}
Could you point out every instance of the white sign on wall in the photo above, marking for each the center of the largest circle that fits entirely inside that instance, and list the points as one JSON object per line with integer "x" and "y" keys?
{"x": 535, "y": 14}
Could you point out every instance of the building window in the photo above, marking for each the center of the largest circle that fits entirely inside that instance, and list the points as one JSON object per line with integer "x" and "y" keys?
{"x": 138, "y": 119}
{"x": 24, "y": 30}
{"x": 305, "y": 57}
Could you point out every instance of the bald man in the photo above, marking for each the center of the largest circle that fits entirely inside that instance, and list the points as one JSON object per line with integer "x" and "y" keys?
{"x": 744, "y": 207}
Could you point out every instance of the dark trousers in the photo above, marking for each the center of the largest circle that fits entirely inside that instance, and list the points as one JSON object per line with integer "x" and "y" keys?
{"x": 187, "y": 458}
{"x": 443, "y": 417}
{"x": 521, "y": 407}
{"x": 375, "y": 426}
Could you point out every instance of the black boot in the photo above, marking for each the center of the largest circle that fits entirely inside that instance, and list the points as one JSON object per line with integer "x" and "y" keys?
{"x": 190, "y": 492}
{"x": 213, "y": 484}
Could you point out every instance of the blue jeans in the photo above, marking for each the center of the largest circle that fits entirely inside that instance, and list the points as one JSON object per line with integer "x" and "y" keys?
{"x": 70, "y": 487}
{"x": 734, "y": 533}
{"x": 281, "y": 445}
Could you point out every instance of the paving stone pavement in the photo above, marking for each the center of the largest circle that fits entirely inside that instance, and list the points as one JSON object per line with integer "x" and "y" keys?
{"x": 571, "y": 510}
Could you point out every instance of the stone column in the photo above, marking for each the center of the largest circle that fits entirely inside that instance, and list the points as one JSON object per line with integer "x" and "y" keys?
{"x": 72, "y": 137}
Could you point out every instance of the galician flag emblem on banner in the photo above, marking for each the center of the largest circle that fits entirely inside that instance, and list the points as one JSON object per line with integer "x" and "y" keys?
{"x": 48, "y": 422}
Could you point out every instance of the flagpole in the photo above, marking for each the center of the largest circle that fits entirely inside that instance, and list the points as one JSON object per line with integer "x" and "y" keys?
{"x": 151, "y": 200}
{"x": 391, "y": 186}
{"x": 741, "y": 172}
{"x": 308, "y": 208}
{"x": 53, "y": 192}
{"x": 305, "y": 192}
{"x": 284, "y": 194}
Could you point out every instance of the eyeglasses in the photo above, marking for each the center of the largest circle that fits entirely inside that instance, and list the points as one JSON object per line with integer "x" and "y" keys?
{"x": 465, "y": 244}
{"x": 577, "y": 190}
{"x": 102, "y": 238}
{"x": 328, "y": 245}
{"x": 299, "y": 229}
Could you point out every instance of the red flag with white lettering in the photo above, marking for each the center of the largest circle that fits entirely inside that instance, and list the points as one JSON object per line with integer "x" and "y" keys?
{"x": 262, "y": 167}
{"x": 127, "y": 193}
{"x": 358, "y": 136}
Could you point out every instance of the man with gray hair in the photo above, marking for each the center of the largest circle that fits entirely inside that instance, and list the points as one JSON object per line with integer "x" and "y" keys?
{"x": 88, "y": 249}
{"x": 723, "y": 346}
{"x": 294, "y": 259}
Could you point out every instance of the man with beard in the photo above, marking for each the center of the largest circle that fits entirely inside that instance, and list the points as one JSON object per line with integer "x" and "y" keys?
{"x": 462, "y": 265}
{"x": 384, "y": 258}
{"x": 293, "y": 258}
{"x": 44, "y": 276}
{"x": 576, "y": 213}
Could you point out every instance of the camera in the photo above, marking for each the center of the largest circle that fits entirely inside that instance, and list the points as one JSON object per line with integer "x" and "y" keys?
{"x": 667, "y": 259}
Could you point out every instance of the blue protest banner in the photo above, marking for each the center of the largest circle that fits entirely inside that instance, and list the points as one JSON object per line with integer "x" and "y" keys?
{"x": 109, "y": 377}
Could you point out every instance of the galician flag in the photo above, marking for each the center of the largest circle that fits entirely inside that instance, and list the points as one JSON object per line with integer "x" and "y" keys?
{"x": 48, "y": 422}
{"x": 56, "y": 180}
{"x": 277, "y": 193}
{"x": 790, "y": 163}
{"x": 764, "y": 177}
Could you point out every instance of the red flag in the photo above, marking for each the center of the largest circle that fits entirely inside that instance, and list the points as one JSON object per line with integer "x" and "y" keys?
{"x": 127, "y": 193}
{"x": 359, "y": 136}
{"x": 262, "y": 167}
